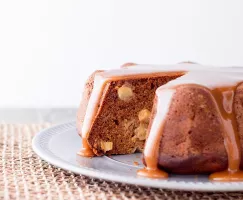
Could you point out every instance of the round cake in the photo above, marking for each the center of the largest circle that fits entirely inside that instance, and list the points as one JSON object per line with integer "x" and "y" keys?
{"x": 189, "y": 115}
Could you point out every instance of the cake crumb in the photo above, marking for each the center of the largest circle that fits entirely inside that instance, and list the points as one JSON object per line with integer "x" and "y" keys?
{"x": 135, "y": 163}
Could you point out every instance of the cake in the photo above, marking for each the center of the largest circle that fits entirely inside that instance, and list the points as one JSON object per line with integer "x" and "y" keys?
{"x": 114, "y": 113}
{"x": 185, "y": 111}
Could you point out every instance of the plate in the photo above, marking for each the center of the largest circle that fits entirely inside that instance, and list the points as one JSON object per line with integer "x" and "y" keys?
{"x": 58, "y": 145}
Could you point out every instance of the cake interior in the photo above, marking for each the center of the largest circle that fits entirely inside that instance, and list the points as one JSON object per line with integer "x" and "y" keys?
{"x": 122, "y": 121}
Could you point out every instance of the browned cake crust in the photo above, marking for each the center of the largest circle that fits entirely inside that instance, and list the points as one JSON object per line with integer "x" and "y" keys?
{"x": 118, "y": 129}
{"x": 192, "y": 140}
{"x": 238, "y": 105}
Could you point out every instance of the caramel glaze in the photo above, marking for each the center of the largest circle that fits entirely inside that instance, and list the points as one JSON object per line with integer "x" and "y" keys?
{"x": 224, "y": 100}
{"x": 86, "y": 151}
{"x": 151, "y": 159}
{"x": 151, "y": 151}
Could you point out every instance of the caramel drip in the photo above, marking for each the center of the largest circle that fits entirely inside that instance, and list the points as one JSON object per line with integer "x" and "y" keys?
{"x": 151, "y": 150}
{"x": 224, "y": 98}
{"x": 86, "y": 151}
{"x": 151, "y": 170}
{"x": 151, "y": 159}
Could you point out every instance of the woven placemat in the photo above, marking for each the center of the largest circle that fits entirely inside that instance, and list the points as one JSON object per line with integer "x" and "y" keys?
{"x": 23, "y": 175}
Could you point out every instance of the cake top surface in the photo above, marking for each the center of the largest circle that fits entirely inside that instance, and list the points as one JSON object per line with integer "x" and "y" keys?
{"x": 149, "y": 69}
{"x": 210, "y": 79}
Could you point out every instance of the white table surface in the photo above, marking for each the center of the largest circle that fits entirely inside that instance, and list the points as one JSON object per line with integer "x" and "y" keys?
{"x": 29, "y": 115}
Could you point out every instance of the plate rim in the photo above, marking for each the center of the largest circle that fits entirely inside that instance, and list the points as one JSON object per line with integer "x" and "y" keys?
{"x": 48, "y": 156}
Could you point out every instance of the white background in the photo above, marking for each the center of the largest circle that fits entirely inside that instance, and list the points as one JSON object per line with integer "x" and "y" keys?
{"x": 48, "y": 48}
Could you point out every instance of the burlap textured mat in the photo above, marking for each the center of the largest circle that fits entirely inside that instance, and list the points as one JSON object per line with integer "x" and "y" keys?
{"x": 25, "y": 176}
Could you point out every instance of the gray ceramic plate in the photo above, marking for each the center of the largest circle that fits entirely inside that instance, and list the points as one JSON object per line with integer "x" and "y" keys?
{"x": 58, "y": 145}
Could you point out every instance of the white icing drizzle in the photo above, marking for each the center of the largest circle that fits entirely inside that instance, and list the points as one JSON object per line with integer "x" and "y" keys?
{"x": 93, "y": 103}
{"x": 148, "y": 69}
{"x": 163, "y": 105}
{"x": 209, "y": 79}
